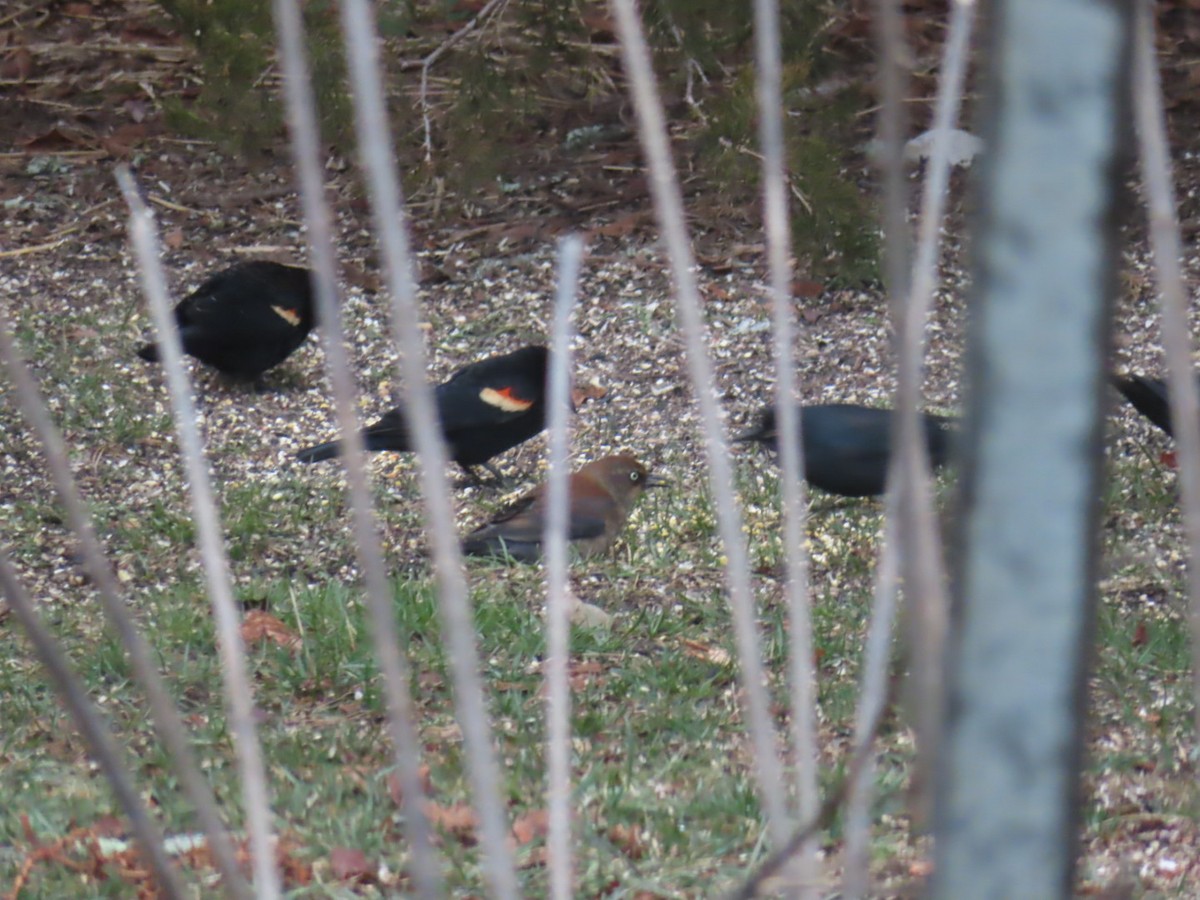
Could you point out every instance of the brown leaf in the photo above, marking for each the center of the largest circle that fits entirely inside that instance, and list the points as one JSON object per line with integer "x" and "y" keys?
{"x": 57, "y": 138}
{"x": 260, "y": 626}
{"x": 532, "y": 825}
{"x": 17, "y": 66}
{"x": 629, "y": 838}
{"x": 581, "y": 393}
{"x": 623, "y": 225}
{"x": 921, "y": 868}
{"x": 458, "y": 820}
{"x": 1140, "y": 636}
{"x": 174, "y": 238}
{"x": 350, "y": 864}
{"x": 716, "y": 655}
{"x": 802, "y": 287}
{"x": 123, "y": 139}
{"x": 396, "y": 791}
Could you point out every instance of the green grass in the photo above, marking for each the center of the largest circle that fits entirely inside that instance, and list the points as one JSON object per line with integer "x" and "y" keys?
{"x": 660, "y": 751}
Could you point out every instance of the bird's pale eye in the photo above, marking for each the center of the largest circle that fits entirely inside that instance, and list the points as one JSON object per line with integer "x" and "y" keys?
{"x": 634, "y": 476}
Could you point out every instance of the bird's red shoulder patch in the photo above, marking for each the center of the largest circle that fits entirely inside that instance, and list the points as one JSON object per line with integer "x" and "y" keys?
{"x": 291, "y": 316}
{"x": 504, "y": 399}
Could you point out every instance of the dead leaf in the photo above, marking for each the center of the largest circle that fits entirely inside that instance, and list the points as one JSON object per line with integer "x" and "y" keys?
{"x": 531, "y": 826}
{"x": 441, "y": 734}
{"x": 581, "y": 393}
{"x": 173, "y": 238}
{"x": 921, "y": 868}
{"x": 57, "y": 138}
{"x": 803, "y": 287}
{"x": 588, "y": 616}
{"x": 629, "y": 839}
{"x": 458, "y": 820}
{"x": 123, "y": 139}
{"x": 716, "y": 655}
{"x": 259, "y": 626}
{"x": 17, "y": 66}
{"x": 1140, "y": 635}
{"x": 350, "y": 864}
{"x": 396, "y": 790}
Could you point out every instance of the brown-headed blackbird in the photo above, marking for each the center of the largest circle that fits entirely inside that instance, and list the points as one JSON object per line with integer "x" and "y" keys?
{"x": 602, "y": 495}
{"x": 485, "y": 408}
{"x": 847, "y": 447}
{"x": 1148, "y": 396}
{"x": 245, "y": 319}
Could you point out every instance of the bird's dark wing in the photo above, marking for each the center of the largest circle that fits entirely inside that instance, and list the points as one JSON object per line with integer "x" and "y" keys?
{"x": 468, "y": 401}
{"x": 525, "y": 520}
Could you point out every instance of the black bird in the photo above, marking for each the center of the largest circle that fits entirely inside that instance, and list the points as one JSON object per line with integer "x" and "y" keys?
{"x": 1148, "y": 396}
{"x": 847, "y": 447}
{"x": 244, "y": 319}
{"x": 601, "y": 496}
{"x": 485, "y": 408}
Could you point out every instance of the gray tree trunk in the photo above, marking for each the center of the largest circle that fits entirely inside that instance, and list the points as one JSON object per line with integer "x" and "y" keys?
{"x": 1008, "y": 800}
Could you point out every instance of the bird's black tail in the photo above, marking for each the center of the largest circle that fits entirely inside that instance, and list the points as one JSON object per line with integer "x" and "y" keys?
{"x": 320, "y": 452}
{"x": 1148, "y": 396}
{"x": 148, "y": 352}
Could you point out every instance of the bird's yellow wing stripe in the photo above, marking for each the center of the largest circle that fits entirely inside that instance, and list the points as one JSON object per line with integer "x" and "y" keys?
{"x": 287, "y": 314}
{"x": 504, "y": 399}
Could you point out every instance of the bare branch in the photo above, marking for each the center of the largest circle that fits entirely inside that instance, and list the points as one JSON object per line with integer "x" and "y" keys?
{"x": 791, "y": 447}
{"x": 92, "y": 727}
{"x": 167, "y": 722}
{"x": 387, "y": 640}
{"x": 558, "y": 599}
{"x": 923, "y": 576}
{"x": 668, "y": 204}
{"x": 1165, "y": 241}
{"x": 417, "y": 405}
{"x": 239, "y": 691}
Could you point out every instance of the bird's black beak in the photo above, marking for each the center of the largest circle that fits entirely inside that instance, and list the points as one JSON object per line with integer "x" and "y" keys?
{"x": 653, "y": 481}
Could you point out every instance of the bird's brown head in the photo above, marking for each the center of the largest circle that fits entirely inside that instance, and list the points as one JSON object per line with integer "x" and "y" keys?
{"x": 621, "y": 477}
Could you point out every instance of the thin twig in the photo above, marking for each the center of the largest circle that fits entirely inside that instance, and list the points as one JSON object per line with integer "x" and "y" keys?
{"x": 873, "y": 699}
{"x": 668, "y": 205}
{"x": 1165, "y": 241}
{"x": 239, "y": 691}
{"x": 928, "y": 604}
{"x": 420, "y": 414}
{"x": 428, "y": 62}
{"x": 558, "y": 599}
{"x": 94, "y": 730}
{"x": 167, "y": 722}
{"x": 791, "y": 446}
{"x": 385, "y": 633}
{"x": 387, "y": 640}
{"x": 899, "y": 506}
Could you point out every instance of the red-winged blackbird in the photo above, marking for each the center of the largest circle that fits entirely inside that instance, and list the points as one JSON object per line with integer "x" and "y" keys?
{"x": 602, "y": 495}
{"x": 1149, "y": 397}
{"x": 847, "y": 447}
{"x": 245, "y": 319}
{"x": 485, "y": 408}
